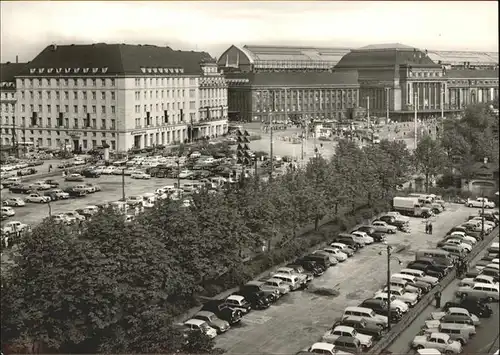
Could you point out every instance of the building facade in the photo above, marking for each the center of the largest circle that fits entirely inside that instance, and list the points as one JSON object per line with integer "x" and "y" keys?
{"x": 81, "y": 97}
{"x": 287, "y": 81}
{"x": 396, "y": 80}
{"x": 9, "y": 135}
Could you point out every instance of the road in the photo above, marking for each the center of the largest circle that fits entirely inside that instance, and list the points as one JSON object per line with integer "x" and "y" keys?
{"x": 487, "y": 334}
{"x": 301, "y": 318}
{"x": 111, "y": 186}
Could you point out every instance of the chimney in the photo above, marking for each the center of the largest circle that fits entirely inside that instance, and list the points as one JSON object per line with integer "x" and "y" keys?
{"x": 17, "y": 59}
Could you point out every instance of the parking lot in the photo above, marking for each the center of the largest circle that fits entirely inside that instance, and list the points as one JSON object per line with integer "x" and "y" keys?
{"x": 111, "y": 186}
{"x": 301, "y": 318}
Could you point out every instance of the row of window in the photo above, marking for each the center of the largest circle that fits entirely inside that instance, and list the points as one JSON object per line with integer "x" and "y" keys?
{"x": 60, "y": 142}
{"x": 8, "y": 95}
{"x": 204, "y": 93}
{"x": 474, "y": 82}
{"x": 75, "y": 95}
{"x": 66, "y": 109}
{"x": 92, "y": 123}
{"x": 49, "y": 82}
{"x": 9, "y": 132}
{"x": 149, "y": 82}
{"x": 425, "y": 74}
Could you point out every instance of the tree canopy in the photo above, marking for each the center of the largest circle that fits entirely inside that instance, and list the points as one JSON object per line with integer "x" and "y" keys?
{"x": 111, "y": 286}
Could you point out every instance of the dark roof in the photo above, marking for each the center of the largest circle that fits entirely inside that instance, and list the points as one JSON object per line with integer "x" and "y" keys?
{"x": 119, "y": 59}
{"x": 9, "y": 70}
{"x": 298, "y": 78}
{"x": 373, "y": 56}
{"x": 472, "y": 73}
{"x": 386, "y": 46}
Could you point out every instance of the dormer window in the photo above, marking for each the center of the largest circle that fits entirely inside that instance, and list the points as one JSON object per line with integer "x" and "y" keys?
{"x": 76, "y": 70}
{"x": 155, "y": 70}
{"x": 32, "y": 71}
{"x": 85, "y": 70}
{"x": 95, "y": 70}
{"x": 143, "y": 70}
{"x": 148, "y": 70}
{"x": 50, "y": 70}
{"x": 160, "y": 70}
{"x": 104, "y": 70}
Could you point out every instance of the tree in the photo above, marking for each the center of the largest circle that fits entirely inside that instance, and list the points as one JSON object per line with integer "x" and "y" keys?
{"x": 430, "y": 158}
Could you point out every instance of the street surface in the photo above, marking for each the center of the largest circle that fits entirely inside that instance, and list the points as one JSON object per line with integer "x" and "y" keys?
{"x": 487, "y": 333}
{"x": 301, "y": 318}
{"x": 111, "y": 186}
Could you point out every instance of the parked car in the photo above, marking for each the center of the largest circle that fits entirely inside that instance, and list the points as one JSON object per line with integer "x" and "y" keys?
{"x": 429, "y": 270}
{"x": 185, "y": 174}
{"x": 481, "y": 309}
{"x": 140, "y": 176}
{"x": 37, "y": 198}
{"x": 39, "y": 185}
{"x": 7, "y": 211}
{"x": 239, "y": 303}
{"x": 343, "y": 248}
{"x": 221, "y": 310}
{"x": 345, "y": 331}
{"x": 300, "y": 270}
{"x": 13, "y": 201}
{"x": 258, "y": 286}
{"x": 383, "y": 227}
{"x": 257, "y": 300}
{"x": 311, "y": 266}
{"x": 372, "y": 232}
{"x": 84, "y": 188}
{"x": 339, "y": 255}
{"x": 52, "y": 183}
{"x": 439, "y": 341}
{"x": 362, "y": 327}
{"x": 134, "y": 201}
{"x": 57, "y": 194}
{"x": 74, "y": 193}
{"x": 213, "y": 321}
{"x": 91, "y": 173}
{"x": 74, "y": 177}
{"x": 93, "y": 187}
{"x": 381, "y": 307}
{"x": 75, "y": 215}
{"x": 19, "y": 189}
{"x": 14, "y": 226}
{"x": 200, "y": 326}
{"x": 275, "y": 284}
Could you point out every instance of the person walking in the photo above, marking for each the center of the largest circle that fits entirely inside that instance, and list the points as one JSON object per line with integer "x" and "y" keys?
{"x": 430, "y": 228}
{"x": 427, "y": 227}
{"x": 437, "y": 297}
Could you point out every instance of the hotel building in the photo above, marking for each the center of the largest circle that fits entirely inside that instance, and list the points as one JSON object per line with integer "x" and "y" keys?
{"x": 80, "y": 97}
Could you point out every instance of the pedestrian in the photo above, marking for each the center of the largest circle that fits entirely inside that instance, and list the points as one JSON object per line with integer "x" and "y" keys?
{"x": 427, "y": 227}
{"x": 430, "y": 228}
{"x": 437, "y": 297}
{"x": 50, "y": 167}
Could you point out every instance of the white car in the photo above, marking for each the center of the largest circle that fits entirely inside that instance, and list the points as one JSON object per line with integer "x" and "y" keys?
{"x": 366, "y": 238}
{"x": 485, "y": 279}
{"x": 409, "y": 298}
{"x": 291, "y": 272}
{"x": 140, "y": 175}
{"x": 461, "y": 244}
{"x": 74, "y": 215}
{"x": 464, "y": 237}
{"x": 14, "y": 226}
{"x": 333, "y": 260}
{"x": 486, "y": 222}
{"x": 343, "y": 248}
{"x": 8, "y": 211}
{"x": 342, "y": 330}
{"x": 439, "y": 341}
{"x": 60, "y": 218}
{"x": 339, "y": 255}
{"x": 110, "y": 170}
{"x": 456, "y": 311}
{"x": 14, "y": 201}
{"x": 325, "y": 349}
{"x": 200, "y": 325}
{"x": 37, "y": 198}
{"x": 39, "y": 185}
{"x": 184, "y": 174}
{"x": 398, "y": 216}
{"x": 395, "y": 303}
{"x": 381, "y": 226}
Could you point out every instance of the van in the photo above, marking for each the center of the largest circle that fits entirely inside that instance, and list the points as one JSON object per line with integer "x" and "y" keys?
{"x": 456, "y": 250}
{"x": 349, "y": 344}
{"x": 369, "y": 315}
{"x": 320, "y": 259}
{"x": 290, "y": 280}
{"x": 461, "y": 322}
{"x": 491, "y": 291}
{"x": 433, "y": 253}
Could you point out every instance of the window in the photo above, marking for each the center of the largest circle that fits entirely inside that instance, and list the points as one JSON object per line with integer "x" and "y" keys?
{"x": 75, "y": 95}
{"x": 112, "y": 109}
{"x": 94, "y": 82}
{"x": 192, "y": 92}
{"x": 49, "y": 107}
{"x": 57, "y": 82}
{"x": 84, "y": 108}
{"x": 112, "y": 96}
{"x": 192, "y": 105}
{"x": 94, "y": 124}
{"x": 137, "y": 82}
{"x": 84, "y": 95}
{"x": 94, "y": 109}
{"x": 151, "y": 94}
{"x": 137, "y": 108}
{"x": 31, "y": 95}
{"x": 58, "y": 109}
{"x": 113, "y": 124}
{"x": 75, "y": 108}
{"x": 94, "y": 95}
{"x": 112, "y": 82}
{"x": 103, "y": 124}
{"x": 84, "y": 142}
{"x": 65, "y": 82}
{"x": 103, "y": 109}
{"x": 113, "y": 145}
{"x": 66, "y": 108}
{"x": 75, "y": 122}
{"x": 137, "y": 95}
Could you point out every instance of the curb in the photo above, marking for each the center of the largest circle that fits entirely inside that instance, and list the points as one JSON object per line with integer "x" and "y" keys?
{"x": 391, "y": 336}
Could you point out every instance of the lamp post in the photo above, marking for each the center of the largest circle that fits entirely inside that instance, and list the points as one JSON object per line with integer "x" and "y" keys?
{"x": 388, "y": 101}
{"x": 123, "y": 184}
{"x": 415, "y": 104}
{"x": 482, "y": 213}
{"x": 442, "y": 100}
{"x": 389, "y": 256}
{"x": 50, "y": 209}
{"x": 178, "y": 177}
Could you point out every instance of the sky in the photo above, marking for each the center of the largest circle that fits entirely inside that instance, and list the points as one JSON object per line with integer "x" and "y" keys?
{"x": 28, "y": 27}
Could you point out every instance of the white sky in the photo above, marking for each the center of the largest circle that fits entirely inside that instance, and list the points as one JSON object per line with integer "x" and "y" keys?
{"x": 27, "y": 27}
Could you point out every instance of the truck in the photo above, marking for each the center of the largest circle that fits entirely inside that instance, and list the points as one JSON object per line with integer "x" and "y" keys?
{"x": 410, "y": 206}
{"x": 478, "y": 203}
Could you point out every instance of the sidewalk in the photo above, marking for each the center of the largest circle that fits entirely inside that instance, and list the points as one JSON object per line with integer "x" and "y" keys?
{"x": 402, "y": 344}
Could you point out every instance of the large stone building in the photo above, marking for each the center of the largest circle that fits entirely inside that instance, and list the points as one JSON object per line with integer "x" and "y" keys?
{"x": 392, "y": 79}
{"x": 8, "y": 99}
{"x": 287, "y": 81}
{"x": 83, "y": 96}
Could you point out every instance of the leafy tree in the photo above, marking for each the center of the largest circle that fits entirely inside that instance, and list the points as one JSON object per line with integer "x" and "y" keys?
{"x": 430, "y": 158}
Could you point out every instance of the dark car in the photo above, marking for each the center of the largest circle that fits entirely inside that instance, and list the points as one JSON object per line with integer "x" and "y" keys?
{"x": 468, "y": 230}
{"x": 437, "y": 264}
{"x": 476, "y": 307}
{"x": 361, "y": 326}
{"x": 221, "y": 310}
{"x": 381, "y": 307}
{"x": 26, "y": 171}
{"x": 19, "y": 189}
{"x": 347, "y": 240}
{"x": 84, "y": 213}
{"x": 74, "y": 193}
{"x": 258, "y": 300}
{"x": 428, "y": 269}
{"x": 300, "y": 270}
{"x": 423, "y": 286}
{"x": 311, "y": 266}
{"x": 89, "y": 173}
{"x": 272, "y": 296}
{"x": 377, "y": 236}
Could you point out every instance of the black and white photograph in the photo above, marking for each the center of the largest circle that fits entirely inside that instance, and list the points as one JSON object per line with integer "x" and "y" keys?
{"x": 249, "y": 177}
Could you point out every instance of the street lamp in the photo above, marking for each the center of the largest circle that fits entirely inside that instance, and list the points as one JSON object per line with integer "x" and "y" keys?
{"x": 50, "y": 209}
{"x": 482, "y": 213}
{"x": 177, "y": 161}
{"x": 389, "y": 256}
